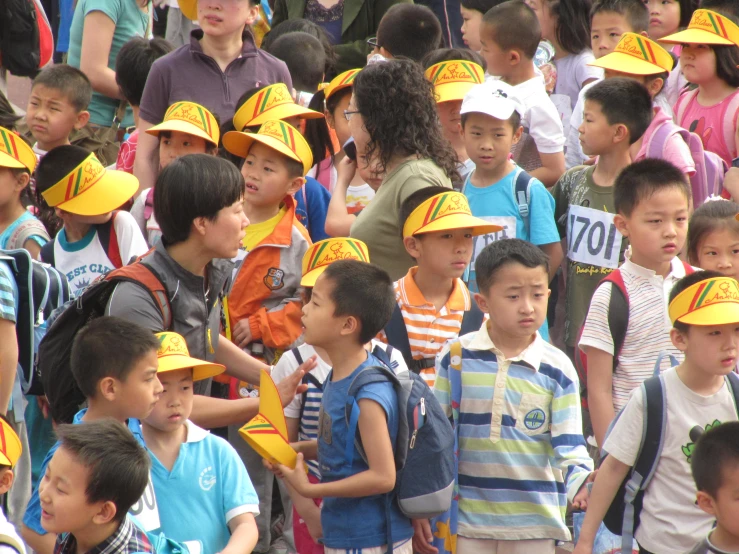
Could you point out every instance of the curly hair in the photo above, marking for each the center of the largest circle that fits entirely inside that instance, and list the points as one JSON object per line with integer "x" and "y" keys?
{"x": 397, "y": 104}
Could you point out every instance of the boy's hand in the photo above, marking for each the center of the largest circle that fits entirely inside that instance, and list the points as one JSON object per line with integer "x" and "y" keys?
{"x": 580, "y": 501}
{"x": 345, "y": 171}
{"x": 273, "y": 468}
{"x": 297, "y": 478}
{"x": 241, "y": 333}
{"x": 290, "y": 385}
{"x": 423, "y": 537}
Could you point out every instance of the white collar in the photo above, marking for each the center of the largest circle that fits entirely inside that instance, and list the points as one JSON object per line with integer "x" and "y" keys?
{"x": 195, "y": 433}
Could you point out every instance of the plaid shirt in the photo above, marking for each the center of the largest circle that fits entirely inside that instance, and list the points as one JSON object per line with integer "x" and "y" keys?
{"x": 127, "y": 539}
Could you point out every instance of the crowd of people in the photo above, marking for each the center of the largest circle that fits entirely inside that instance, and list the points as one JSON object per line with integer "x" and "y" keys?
{"x": 541, "y": 225}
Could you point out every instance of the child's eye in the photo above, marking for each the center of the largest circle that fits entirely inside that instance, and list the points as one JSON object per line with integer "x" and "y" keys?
{"x": 614, "y": 35}
{"x": 269, "y": 170}
{"x": 513, "y": 297}
{"x": 594, "y": 37}
{"x": 468, "y": 235}
{"x": 711, "y": 253}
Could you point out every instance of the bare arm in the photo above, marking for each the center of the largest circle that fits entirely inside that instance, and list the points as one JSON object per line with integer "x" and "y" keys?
{"x": 97, "y": 38}
{"x": 8, "y": 362}
{"x": 238, "y": 363}
{"x": 244, "y": 535}
{"x": 338, "y": 220}
{"x": 41, "y": 544}
{"x": 293, "y": 428}
{"x": 554, "y": 251}
{"x": 146, "y": 163}
{"x": 600, "y": 392}
{"x": 33, "y": 249}
{"x": 552, "y": 168}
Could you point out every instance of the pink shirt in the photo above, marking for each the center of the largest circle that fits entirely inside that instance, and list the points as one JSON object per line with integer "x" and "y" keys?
{"x": 675, "y": 151}
{"x": 713, "y": 124}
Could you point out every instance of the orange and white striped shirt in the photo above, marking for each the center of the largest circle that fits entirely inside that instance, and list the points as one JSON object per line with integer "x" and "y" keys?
{"x": 429, "y": 329}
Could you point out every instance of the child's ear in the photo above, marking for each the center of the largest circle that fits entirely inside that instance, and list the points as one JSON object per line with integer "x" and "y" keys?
{"x": 482, "y": 302}
{"x": 679, "y": 339}
{"x": 706, "y": 503}
{"x": 351, "y": 326}
{"x": 655, "y": 86}
{"x": 82, "y": 118}
{"x": 22, "y": 180}
{"x": 295, "y": 185}
{"x": 518, "y": 134}
{"x": 329, "y": 119}
{"x": 621, "y": 134}
{"x": 6, "y": 480}
{"x": 621, "y": 224}
{"x": 105, "y": 514}
{"x": 514, "y": 57}
{"x": 107, "y": 388}
{"x": 412, "y": 246}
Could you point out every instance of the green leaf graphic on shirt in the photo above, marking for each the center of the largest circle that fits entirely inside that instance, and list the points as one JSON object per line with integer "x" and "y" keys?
{"x": 688, "y": 448}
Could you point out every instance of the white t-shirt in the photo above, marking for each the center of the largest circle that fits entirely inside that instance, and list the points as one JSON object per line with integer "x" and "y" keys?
{"x": 86, "y": 260}
{"x": 149, "y": 227}
{"x": 671, "y": 523}
{"x": 573, "y": 71}
{"x": 675, "y": 84}
{"x": 541, "y": 120}
{"x": 358, "y": 197}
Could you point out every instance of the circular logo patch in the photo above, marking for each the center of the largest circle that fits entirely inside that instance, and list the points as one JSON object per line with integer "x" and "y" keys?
{"x": 534, "y": 419}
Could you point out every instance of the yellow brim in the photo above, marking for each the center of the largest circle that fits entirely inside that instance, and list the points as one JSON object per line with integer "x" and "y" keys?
{"x": 696, "y": 36}
{"x": 452, "y": 91}
{"x": 113, "y": 190}
{"x": 310, "y": 278}
{"x": 6, "y": 160}
{"x": 181, "y": 127}
{"x": 200, "y": 370}
{"x": 283, "y": 111}
{"x": 268, "y": 443}
{"x": 718, "y": 313}
{"x": 189, "y": 9}
{"x": 623, "y": 63}
{"x": 239, "y": 144}
{"x": 459, "y": 221}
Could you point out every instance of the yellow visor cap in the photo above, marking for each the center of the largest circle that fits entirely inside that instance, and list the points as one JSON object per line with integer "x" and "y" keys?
{"x": 452, "y": 80}
{"x": 278, "y": 135}
{"x": 707, "y": 27}
{"x": 445, "y": 212}
{"x": 173, "y": 355}
{"x": 189, "y": 118}
{"x": 710, "y": 302}
{"x": 15, "y": 152}
{"x": 272, "y": 102}
{"x": 10, "y": 445}
{"x": 340, "y": 82}
{"x": 325, "y": 252}
{"x": 636, "y": 55}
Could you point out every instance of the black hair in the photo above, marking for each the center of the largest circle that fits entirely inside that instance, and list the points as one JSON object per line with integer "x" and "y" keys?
{"x": 304, "y": 26}
{"x": 416, "y": 199}
{"x": 482, "y": 6}
{"x": 634, "y": 11}
{"x": 305, "y": 59}
{"x": 514, "y": 26}
{"x": 8, "y": 117}
{"x": 452, "y": 54}
{"x": 133, "y": 63}
{"x": 409, "y": 31}
{"x": 397, "y": 105}
{"x": 727, "y": 60}
{"x": 118, "y": 466}
{"x": 687, "y": 7}
{"x": 91, "y": 360}
{"x": 716, "y": 451}
{"x": 335, "y": 99}
{"x": 197, "y": 185}
{"x": 707, "y": 218}
{"x": 503, "y": 252}
{"x": 68, "y": 80}
{"x": 686, "y": 282}
{"x": 642, "y": 179}
{"x": 572, "y": 26}
{"x": 364, "y": 291}
{"x": 624, "y": 101}
{"x": 724, "y": 7}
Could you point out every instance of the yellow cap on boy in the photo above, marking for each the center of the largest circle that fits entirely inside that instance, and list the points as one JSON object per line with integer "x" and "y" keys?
{"x": 445, "y": 212}
{"x": 711, "y": 302}
{"x": 636, "y": 55}
{"x": 278, "y": 135}
{"x": 189, "y": 118}
{"x": 10, "y": 445}
{"x": 341, "y": 81}
{"x": 325, "y": 252}
{"x": 15, "y": 152}
{"x": 452, "y": 80}
{"x": 173, "y": 355}
{"x": 707, "y": 27}
{"x": 270, "y": 103}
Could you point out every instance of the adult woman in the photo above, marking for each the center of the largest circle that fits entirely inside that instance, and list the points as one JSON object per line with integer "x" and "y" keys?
{"x": 348, "y": 23}
{"x": 392, "y": 118}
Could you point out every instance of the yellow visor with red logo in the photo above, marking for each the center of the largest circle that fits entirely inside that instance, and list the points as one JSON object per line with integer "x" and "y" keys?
{"x": 270, "y": 103}
{"x": 452, "y": 80}
{"x": 710, "y": 302}
{"x": 445, "y": 212}
{"x": 278, "y": 135}
{"x": 340, "y": 82}
{"x": 189, "y": 118}
{"x": 325, "y": 252}
{"x": 636, "y": 55}
{"x": 15, "y": 152}
{"x": 90, "y": 189}
{"x": 10, "y": 445}
{"x": 173, "y": 355}
{"x": 707, "y": 27}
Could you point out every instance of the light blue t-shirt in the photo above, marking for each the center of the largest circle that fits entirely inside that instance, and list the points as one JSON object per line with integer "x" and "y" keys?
{"x": 9, "y": 310}
{"x": 207, "y": 487}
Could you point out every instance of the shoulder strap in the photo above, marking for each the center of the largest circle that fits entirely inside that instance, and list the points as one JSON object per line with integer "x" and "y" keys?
{"x": 618, "y": 312}
{"x": 296, "y": 352}
{"x": 688, "y": 268}
{"x": 397, "y": 335}
{"x": 472, "y": 319}
{"x": 109, "y": 240}
{"x": 729, "y": 122}
{"x": 12, "y": 542}
{"x": 733, "y": 380}
{"x": 147, "y": 277}
{"x": 656, "y": 145}
{"x": 682, "y": 104}
{"x": 455, "y": 378}
{"x": 521, "y": 194}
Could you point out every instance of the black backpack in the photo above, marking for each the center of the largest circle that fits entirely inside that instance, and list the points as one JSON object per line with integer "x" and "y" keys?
{"x": 19, "y": 37}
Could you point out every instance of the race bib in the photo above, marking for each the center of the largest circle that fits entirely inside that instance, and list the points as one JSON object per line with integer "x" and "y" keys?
{"x": 509, "y": 232}
{"x": 592, "y": 237}
{"x": 145, "y": 510}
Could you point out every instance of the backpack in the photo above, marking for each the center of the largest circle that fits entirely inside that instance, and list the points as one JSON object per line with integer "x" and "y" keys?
{"x": 41, "y": 290}
{"x": 26, "y": 39}
{"x": 618, "y": 323}
{"x": 623, "y": 515}
{"x": 55, "y": 349}
{"x": 108, "y": 240}
{"x": 710, "y": 168}
{"x": 397, "y": 335}
{"x": 424, "y": 453}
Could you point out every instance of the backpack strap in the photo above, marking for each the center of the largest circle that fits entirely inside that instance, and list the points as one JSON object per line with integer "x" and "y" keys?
{"x": 729, "y": 121}
{"x": 397, "y": 335}
{"x": 683, "y": 101}
{"x": 146, "y": 277}
{"x": 472, "y": 319}
{"x": 13, "y": 542}
{"x": 455, "y": 379}
{"x": 733, "y": 382}
{"x": 109, "y": 240}
{"x": 47, "y": 252}
{"x": 658, "y": 140}
{"x": 618, "y": 312}
{"x": 522, "y": 196}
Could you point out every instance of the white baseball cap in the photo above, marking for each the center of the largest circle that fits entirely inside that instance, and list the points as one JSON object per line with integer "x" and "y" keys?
{"x": 494, "y": 98}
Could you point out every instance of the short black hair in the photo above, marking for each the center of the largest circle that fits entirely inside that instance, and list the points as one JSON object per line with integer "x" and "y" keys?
{"x": 452, "y": 54}
{"x": 707, "y": 218}
{"x": 133, "y": 63}
{"x": 197, "y": 185}
{"x": 642, "y": 179}
{"x": 572, "y": 23}
{"x": 716, "y": 451}
{"x": 503, "y": 252}
{"x": 634, "y": 11}
{"x": 302, "y": 25}
{"x": 513, "y": 26}
{"x": 687, "y": 7}
{"x": 410, "y": 31}
{"x": 305, "y": 59}
{"x": 724, "y": 7}
{"x": 364, "y": 291}
{"x": 727, "y": 60}
{"x": 482, "y": 6}
{"x": 416, "y": 199}
{"x": 686, "y": 282}
{"x": 68, "y": 80}
{"x": 118, "y": 465}
{"x": 623, "y": 101}
{"x": 91, "y": 360}
{"x": 57, "y": 164}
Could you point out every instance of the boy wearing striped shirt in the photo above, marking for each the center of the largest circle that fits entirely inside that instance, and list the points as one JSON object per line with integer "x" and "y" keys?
{"x": 515, "y": 402}
{"x": 433, "y": 303}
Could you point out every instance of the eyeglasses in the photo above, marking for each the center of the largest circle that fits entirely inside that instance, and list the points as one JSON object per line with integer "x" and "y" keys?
{"x": 349, "y": 113}
{"x": 372, "y": 41}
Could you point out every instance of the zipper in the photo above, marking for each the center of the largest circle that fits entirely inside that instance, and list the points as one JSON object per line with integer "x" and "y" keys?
{"x": 423, "y": 406}
{"x": 413, "y": 439}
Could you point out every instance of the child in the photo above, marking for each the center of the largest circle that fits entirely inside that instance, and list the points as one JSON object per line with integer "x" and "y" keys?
{"x": 10, "y": 452}
{"x": 18, "y": 227}
{"x": 187, "y": 461}
{"x": 651, "y": 199}
{"x": 713, "y": 238}
{"x": 409, "y": 31}
{"x": 350, "y": 303}
{"x": 95, "y": 476}
{"x": 305, "y": 59}
{"x": 704, "y": 311}
{"x": 491, "y": 124}
{"x": 533, "y": 407}
{"x": 617, "y": 112}
{"x": 124, "y": 387}
{"x": 302, "y": 413}
{"x": 609, "y": 19}
{"x": 57, "y": 106}
{"x": 510, "y": 35}
{"x": 709, "y": 59}
{"x": 432, "y": 300}
{"x": 132, "y": 66}
{"x": 713, "y": 464}
{"x": 472, "y": 12}
{"x": 188, "y": 128}
{"x": 96, "y": 237}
